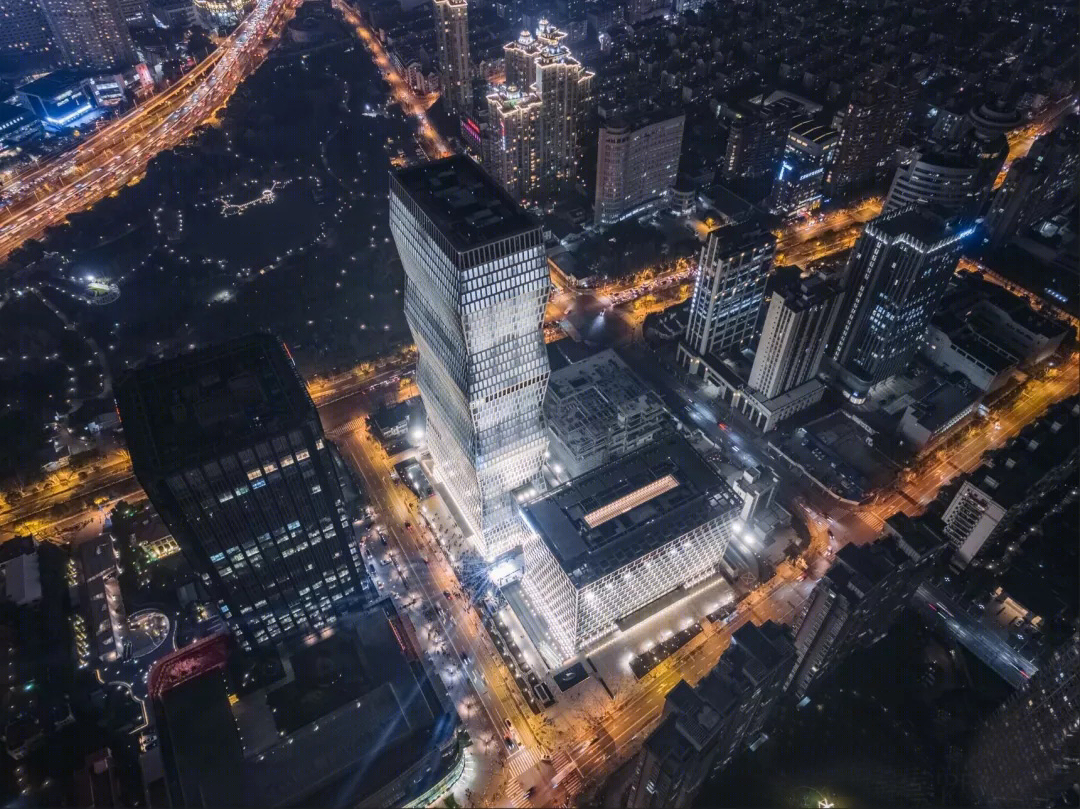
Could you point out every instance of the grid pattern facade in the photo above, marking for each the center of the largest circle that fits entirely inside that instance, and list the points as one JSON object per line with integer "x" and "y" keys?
{"x": 25, "y": 34}
{"x": 896, "y": 277}
{"x": 91, "y": 34}
{"x": 636, "y": 164}
{"x": 1026, "y": 754}
{"x": 452, "y": 42}
{"x": 793, "y": 339}
{"x": 482, "y": 370}
{"x": 579, "y": 616}
{"x": 273, "y": 533}
{"x": 515, "y": 121}
{"x": 732, "y": 269}
{"x": 229, "y": 448}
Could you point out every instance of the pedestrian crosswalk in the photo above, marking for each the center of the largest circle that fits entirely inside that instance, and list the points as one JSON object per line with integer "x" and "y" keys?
{"x": 350, "y": 426}
{"x": 565, "y": 778}
{"x": 520, "y": 761}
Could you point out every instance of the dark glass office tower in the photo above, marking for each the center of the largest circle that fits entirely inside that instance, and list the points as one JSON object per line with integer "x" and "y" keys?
{"x": 228, "y": 446}
{"x": 895, "y": 278}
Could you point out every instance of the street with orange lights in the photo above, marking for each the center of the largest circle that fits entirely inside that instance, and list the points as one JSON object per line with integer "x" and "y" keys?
{"x": 118, "y": 153}
{"x": 430, "y": 140}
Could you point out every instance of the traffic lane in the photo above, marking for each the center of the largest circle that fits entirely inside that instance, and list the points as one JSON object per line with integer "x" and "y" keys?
{"x": 382, "y": 495}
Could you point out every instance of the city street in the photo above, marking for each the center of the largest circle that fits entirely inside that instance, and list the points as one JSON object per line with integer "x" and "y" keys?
{"x": 116, "y": 154}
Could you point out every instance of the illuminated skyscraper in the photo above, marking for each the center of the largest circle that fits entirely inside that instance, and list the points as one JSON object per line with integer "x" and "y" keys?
{"x": 732, "y": 269}
{"x": 515, "y": 123}
{"x": 229, "y": 448}
{"x": 476, "y": 283}
{"x": 895, "y": 278}
{"x": 545, "y": 65}
{"x": 91, "y": 34}
{"x": 452, "y": 40}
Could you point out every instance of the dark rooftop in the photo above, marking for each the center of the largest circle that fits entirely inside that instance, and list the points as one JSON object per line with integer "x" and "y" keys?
{"x": 803, "y": 293}
{"x": 203, "y": 403}
{"x": 360, "y": 711}
{"x": 13, "y": 112}
{"x": 922, "y": 225}
{"x": 685, "y": 493}
{"x": 50, "y": 85}
{"x": 463, "y": 202}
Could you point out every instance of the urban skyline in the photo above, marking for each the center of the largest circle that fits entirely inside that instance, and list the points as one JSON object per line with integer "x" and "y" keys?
{"x": 538, "y": 404}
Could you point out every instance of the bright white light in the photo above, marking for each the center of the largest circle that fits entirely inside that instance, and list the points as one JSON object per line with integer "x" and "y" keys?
{"x": 737, "y": 526}
{"x": 501, "y": 571}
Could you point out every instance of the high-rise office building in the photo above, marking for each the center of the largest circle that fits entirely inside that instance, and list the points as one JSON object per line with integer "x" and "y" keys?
{"x": 895, "y": 278}
{"x": 545, "y": 65}
{"x": 872, "y": 125}
{"x": 860, "y": 598}
{"x": 452, "y": 42}
{"x": 228, "y": 446}
{"x": 637, "y": 162}
{"x": 957, "y": 179}
{"x": 515, "y": 124}
{"x": 797, "y": 326}
{"x": 91, "y": 34}
{"x": 1028, "y": 752}
{"x": 797, "y": 186}
{"x": 26, "y": 42}
{"x": 476, "y": 284}
{"x": 757, "y": 138}
{"x": 732, "y": 269}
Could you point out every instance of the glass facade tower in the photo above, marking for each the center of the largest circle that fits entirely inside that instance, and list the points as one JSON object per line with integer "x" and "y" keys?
{"x": 229, "y": 448}
{"x": 476, "y": 286}
{"x": 895, "y": 279}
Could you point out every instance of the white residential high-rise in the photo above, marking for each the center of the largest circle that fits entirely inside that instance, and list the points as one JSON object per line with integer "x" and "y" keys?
{"x": 637, "y": 160}
{"x": 797, "y": 325}
{"x": 452, "y": 41}
{"x": 476, "y": 285}
{"x": 515, "y": 126}
{"x": 730, "y": 287}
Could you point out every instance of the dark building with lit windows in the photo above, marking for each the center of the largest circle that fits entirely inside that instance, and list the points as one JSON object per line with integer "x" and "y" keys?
{"x": 228, "y": 446}
{"x": 872, "y": 125}
{"x": 895, "y": 280}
